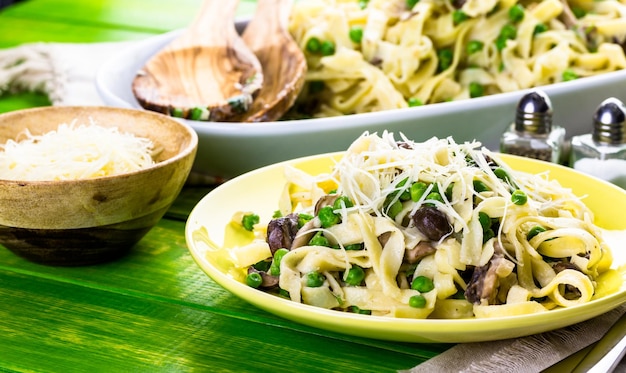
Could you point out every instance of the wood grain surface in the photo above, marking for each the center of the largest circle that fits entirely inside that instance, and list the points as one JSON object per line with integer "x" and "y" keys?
{"x": 153, "y": 310}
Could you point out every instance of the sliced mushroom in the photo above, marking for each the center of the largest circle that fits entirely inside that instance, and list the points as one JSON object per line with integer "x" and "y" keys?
{"x": 327, "y": 200}
{"x": 571, "y": 292}
{"x": 432, "y": 223}
{"x": 421, "y": 250}
{"x": 282, "y": 231}
{"x": 304, "y": 234}
{"x": 485, "y": 280}
{"x": 383, "y": 238}
{"x": 561, "y": 266}
{"x": 567, "y": 15}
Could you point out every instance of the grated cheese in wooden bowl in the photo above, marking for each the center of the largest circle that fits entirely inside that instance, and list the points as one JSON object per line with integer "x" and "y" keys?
{"x": 74, "y": 152}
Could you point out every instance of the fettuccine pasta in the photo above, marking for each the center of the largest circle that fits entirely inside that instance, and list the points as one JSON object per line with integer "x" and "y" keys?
{"x": 425, "y": 230}
{"x": 376, "y": 55}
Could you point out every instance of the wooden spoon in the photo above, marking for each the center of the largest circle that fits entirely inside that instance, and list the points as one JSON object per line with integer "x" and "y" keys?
{"x": 208, "y": 73}
{"x": 284, "y": 65}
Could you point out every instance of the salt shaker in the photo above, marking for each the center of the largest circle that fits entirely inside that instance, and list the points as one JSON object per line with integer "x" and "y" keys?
{"x": 602, "y": 152}
{"x": 532, "y": 134}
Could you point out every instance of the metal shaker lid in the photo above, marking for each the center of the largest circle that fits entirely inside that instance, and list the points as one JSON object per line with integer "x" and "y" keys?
{"x": 534, "y": 113}
{"x": 609, "y": 122}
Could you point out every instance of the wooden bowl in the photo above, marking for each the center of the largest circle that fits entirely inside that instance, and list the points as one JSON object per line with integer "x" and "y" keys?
{"x": 88, "y": 221}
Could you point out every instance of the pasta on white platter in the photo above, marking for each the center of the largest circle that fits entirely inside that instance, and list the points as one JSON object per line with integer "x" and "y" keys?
{"x": 365, "y": 56}
{"x": 425, "y": 230}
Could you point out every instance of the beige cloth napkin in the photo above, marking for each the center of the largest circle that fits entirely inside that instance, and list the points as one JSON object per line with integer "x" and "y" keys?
{"x": 522, "y": 355}
{"x": 65, "y": 72}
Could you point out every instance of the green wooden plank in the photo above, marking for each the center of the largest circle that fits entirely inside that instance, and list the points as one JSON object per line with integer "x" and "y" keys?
{"x": 52, "y": 326}
{"x": 10, "y": 102}
{"x": 160, "y": 267}
{"x": 14, "y": 32}
{"x": 153, "y": 309}
{"x": 141, "y": 15}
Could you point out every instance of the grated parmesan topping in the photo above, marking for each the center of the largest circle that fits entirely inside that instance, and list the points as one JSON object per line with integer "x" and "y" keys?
{"x": 74, "y": 152}
{"x": 376, "y": 169}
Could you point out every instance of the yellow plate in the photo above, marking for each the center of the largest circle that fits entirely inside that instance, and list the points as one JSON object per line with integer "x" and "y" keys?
{"x": 259, "y": 191}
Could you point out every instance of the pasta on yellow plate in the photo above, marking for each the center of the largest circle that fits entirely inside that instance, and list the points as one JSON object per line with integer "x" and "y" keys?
{"x": 425, "y": 230}
{"x": 372, "y": 55}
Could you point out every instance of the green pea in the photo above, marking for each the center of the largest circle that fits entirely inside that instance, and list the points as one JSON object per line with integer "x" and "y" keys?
{"x": 411, "y": 3}
{"x": 434, "y": 196}
{"x": 342, "y": 201}
{"x": 417, "y": 301}
{"x": 263, "y": 265}
{"x": 476, "y": 89}
{"x": 275, "y": 266}
{"x": 176, "y": 112}
{"x": 414, "y": 101}
{"x": 578, "y": 12}
{"x": 363, "y": 4}
{"x": 314, "y": 45}
{"x": 394, "y": 209}
{"x": 449, "y": 191}
{"x": 278, "y": 254}
{"x": 355, "y": 275}
{"x": 327, "y": 48}
{"x": 569, "y": 75}
{"x": 406, "y": 195}
{"x": 500, "y": 44}
{"x": 516, "y": 13}
{"x": 485, "y": 220}
{"x": 249, "y": 220}
{"x": 354, "y": 247}
{"x": 480, "y": 186}
{"x": 459, "y": 16}
{"x": 474, "y": 46}
{"x": 417, "y": 190}
{"x": 254, "y": 280}
{"x": 445, "y": 56}
{"x": 327, "y": 216}
{"x": 519, "y": 197}
{"x": 197, "y": 113}
{"x": 503, "y": 175}
{"x": 534, "y": 231}
{"x": 355, "y": 309}
{"x": 356, "y": 34}
{"x": 539, "y": 28}
{"x": 422, "y": 284}
{"x": 508, "y": 32}
{"x": 315, "y": 279}
{"x": 303, "y": 219}
{"x": 319, "y": 240}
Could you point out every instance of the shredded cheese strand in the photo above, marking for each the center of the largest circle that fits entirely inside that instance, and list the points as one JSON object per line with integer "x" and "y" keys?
{"x": 74, "y": 152}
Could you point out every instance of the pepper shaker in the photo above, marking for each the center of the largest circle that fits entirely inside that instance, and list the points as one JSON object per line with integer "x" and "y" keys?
{"x": 602, "y": 153}
{"x": 533, "y": 134}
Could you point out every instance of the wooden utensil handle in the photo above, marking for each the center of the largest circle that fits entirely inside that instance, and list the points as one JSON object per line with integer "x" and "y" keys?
{"x": 213, "y": 25}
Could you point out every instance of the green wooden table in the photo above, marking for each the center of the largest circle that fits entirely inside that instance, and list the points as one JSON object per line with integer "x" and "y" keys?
{"x": 153, "y": 310}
